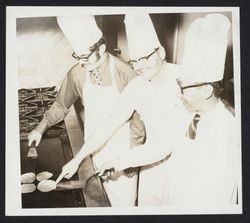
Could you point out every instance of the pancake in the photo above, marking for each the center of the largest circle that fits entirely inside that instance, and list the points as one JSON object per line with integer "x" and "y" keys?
{"x": 44, "y": 176}
{"x": 46, "y": 185}
{"x": 28, "y": 178}
{"x": 28, "y": 188}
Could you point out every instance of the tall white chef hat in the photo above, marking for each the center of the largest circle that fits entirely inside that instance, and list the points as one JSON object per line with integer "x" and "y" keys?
{"x": 141, "y": 35}
{"x": 81, "y": 31}
{"x": 205, "y": 49}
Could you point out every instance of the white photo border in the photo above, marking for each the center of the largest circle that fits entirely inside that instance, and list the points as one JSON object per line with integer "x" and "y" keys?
{"x": 13, "y": 205}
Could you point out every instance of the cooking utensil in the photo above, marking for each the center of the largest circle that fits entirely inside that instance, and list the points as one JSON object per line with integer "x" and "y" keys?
{"x": 79, "y": 184}
{"x": 32, "y": 153}
{"x": 69, "y": 185}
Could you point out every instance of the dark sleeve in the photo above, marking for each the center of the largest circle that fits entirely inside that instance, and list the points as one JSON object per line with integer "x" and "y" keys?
{"x": 66, "y": 96}
{"x": 137, "y": 129}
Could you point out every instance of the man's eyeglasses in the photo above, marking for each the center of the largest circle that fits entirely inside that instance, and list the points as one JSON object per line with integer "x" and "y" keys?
{"x": 142, "y": 59}
{"x": 92, "y": 49}
{"x": 191, "y": 86}
{"x": 83, "y": 57}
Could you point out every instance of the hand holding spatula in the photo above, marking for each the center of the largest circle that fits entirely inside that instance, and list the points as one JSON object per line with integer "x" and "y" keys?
{"x": 49, "y": 185}
{"x": 32, "y": 153}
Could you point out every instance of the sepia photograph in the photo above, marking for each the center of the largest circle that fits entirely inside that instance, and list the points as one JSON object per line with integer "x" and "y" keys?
{"x": 123, "y": 111}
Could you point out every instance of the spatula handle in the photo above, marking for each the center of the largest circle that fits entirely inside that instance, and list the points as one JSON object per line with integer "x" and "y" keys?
{"x": 69, "y": 185}
{"x": 33, "y": 144}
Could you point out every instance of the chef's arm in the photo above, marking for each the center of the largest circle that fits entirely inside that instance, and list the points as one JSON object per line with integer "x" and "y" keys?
{"x": 55, "y": 114}
{"x": 142, "y": 155}
{"x": 106, "y": 130}
{"x": 97, "y": 139}
{"x": 66, "y": 96}
{"x": 154, "y": 150}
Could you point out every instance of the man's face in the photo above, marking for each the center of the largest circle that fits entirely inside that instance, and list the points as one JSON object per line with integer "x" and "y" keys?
{"x": 191, "y": 95}
{"x": 147, "y": 66}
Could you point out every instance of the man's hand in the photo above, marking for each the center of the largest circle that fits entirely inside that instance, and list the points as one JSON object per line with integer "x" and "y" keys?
{"x": 130, "y": 172}
{"x": 34, "y": 135}
{"x": 68, "y": 170}
{"x": 107, "y": 169}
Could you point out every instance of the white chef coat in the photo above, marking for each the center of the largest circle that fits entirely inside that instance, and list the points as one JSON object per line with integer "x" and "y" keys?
{"x": 156, "y": 102}
{"x": 205, "y": 171}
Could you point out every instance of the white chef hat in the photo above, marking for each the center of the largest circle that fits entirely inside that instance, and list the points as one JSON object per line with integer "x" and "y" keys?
{"x": 81, "y": 31}
{"x": 205, "y": 49}
{"x": 141, "y": 35}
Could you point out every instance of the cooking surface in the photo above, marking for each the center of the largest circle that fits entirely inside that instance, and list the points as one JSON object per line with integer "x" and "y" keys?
{"x": 53, "y": 153}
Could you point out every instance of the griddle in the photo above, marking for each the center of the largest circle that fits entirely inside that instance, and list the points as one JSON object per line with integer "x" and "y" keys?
{"x": 53, "y": 151}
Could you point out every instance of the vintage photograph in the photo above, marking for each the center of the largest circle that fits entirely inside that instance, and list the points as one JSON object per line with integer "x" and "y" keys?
{"x": 126, "y": 110}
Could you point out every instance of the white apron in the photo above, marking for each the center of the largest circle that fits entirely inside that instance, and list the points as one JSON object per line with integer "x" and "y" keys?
{"x": 98, "y": 103}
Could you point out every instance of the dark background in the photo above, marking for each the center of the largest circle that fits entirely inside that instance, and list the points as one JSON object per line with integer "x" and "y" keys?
{"x": 245, "y": 96}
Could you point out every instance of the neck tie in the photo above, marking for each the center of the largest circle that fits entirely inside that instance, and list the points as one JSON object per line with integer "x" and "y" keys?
{"x": 192, "y": 129}
{"x": 95, "y": 77}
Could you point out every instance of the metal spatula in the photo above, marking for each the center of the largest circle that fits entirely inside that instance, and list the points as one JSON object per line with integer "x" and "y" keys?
{"x": 96, "y": 174}
{"x": 32, "y": 153}
{"x": 77, "y": 184}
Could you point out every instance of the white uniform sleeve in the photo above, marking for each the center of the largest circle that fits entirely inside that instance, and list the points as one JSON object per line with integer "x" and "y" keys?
{"x": 143, "y": 155}
{"x": 124, "y": 108}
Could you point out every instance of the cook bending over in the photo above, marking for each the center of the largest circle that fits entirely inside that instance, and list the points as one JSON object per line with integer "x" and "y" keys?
{"x": 152, "y": 94}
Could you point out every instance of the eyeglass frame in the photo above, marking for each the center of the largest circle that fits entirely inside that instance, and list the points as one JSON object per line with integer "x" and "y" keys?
{"x": 93, "y": 48}
{"x": 142, "y": 58}
{"x": 192, "y": 86}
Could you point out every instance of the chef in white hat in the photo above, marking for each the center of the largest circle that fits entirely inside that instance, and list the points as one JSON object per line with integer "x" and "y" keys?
{"x": 145, "y": 51}
{"x": 205, "y": 171}
{"x": 147, "y": 57}
{"x": 152, "y": 94}
{"x": 97, "y": 79}
{"x": 204, "y": 53}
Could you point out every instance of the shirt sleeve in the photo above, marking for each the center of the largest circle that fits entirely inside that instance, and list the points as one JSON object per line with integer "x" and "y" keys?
{"x": 151, "y": 152}
{"x": 137, "y": 130}
{"x": 66, "y": 96}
